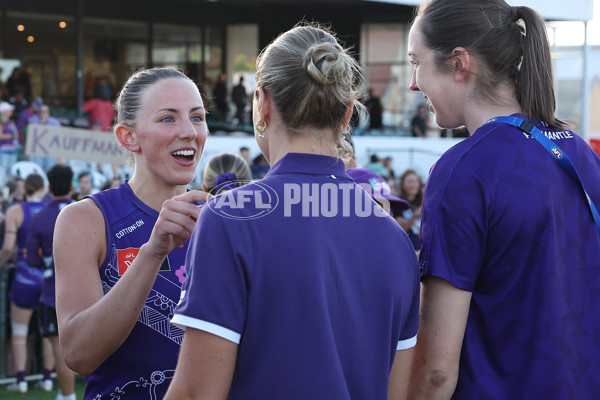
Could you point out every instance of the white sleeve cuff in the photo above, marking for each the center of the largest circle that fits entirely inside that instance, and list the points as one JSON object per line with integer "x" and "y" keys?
{"x": 183, "y": 321}
{"x": 406, "y": 344}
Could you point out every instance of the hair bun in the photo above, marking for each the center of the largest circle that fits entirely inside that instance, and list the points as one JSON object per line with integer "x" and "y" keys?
{"x": 323, "y": 60}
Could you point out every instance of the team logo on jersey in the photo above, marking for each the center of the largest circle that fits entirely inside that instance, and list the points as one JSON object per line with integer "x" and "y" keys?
{"x": 259, "y": 199}
{"x": 126, "y": 256}
{"x": 556, "y": 153}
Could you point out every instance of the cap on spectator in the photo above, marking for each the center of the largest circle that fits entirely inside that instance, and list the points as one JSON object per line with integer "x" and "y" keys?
{"x": 379, "y": 188}
{"x": 4, "y": 106}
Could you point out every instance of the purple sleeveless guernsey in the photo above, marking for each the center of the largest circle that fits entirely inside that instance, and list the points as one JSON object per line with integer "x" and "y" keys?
{"x": 143, "y": 366}
{"x": 28, "y": 282}
{"x": 39, "y": 246}
{"x": 29, "y": 208}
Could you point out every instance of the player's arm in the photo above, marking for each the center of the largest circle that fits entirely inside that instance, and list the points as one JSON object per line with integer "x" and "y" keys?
{"x": 400, "y": 374}
{"x": 204, "y": 368}
{"x": 14, "y": 218}
{"x": 93, "y": 325}
{"x": 444, "y": 312}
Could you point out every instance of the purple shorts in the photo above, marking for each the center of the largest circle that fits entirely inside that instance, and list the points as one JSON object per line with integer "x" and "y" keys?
{"x": 48, "y": 321}
{"x": 26, "y": 287}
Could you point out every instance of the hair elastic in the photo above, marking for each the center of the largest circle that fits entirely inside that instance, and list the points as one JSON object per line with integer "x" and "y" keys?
{"x": 320, "y": 63}
{"x": 515, "y": 13}
{"x": 227, "y": 180}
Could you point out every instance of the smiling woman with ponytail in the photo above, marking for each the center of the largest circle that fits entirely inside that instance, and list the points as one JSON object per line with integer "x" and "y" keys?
{"x": 510, "y": 246}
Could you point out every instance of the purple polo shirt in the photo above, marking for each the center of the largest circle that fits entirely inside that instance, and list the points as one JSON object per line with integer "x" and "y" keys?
{"x": 39, "y": 246}
{"x": 502, "y": 220}
{"x": 318, "y": 291}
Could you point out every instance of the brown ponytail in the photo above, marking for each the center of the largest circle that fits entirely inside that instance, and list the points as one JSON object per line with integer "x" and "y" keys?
{"x": 511, "y": 42}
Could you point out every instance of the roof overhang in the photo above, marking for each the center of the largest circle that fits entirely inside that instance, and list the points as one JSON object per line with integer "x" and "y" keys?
{"x": 552, "y": 10}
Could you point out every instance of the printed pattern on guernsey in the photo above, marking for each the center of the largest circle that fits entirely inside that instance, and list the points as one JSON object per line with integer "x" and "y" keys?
{"x": 502, "y": 220}
{"x": 143, "y": 366}
{"x": 318, "y": 305}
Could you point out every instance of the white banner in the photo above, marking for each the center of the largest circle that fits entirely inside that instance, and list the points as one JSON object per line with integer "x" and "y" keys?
{"x": 73, "y": 144}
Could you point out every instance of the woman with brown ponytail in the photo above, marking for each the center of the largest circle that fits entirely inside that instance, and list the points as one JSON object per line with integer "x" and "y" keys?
{"x": 510, "y": 249}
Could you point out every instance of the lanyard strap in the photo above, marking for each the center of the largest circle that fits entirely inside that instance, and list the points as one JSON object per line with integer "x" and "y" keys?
{"x": 557, "y": 154}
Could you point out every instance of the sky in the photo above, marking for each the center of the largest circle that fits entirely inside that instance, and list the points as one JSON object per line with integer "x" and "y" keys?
{"x": 572, "y": 33}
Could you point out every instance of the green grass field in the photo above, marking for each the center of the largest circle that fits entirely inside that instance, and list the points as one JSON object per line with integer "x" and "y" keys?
{"x": 38, "y": 394}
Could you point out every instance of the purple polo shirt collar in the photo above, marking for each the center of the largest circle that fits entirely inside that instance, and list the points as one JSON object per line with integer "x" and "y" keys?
{"x": 314, "y": 164}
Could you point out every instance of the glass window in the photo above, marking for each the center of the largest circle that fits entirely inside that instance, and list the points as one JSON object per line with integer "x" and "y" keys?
{"x": 46, "y": 47}
{"x": 111, "y": 50}
{"x": 388, "y": 71}
{"x": 213, "y": 50}
{"x": 177, "y": 45}
{"x": 566, "y": 41}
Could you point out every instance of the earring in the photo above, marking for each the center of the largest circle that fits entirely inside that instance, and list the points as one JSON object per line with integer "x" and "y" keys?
{"x": 261, "y": 128}
{"x": 345, "y": 129}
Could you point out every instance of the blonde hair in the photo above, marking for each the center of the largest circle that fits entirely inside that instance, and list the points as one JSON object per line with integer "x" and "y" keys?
{"x": 222, "y": 163}
{"x": 311, "y": 79}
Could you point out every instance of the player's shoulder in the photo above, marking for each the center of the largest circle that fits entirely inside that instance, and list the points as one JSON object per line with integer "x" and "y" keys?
{"x": 83, "y": 210}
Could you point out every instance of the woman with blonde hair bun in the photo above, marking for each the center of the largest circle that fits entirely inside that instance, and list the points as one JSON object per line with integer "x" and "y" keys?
{"x": 279, "y": 304}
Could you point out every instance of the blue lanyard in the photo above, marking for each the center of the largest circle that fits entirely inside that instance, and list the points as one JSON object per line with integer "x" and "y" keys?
{"x": 557, "y": 154}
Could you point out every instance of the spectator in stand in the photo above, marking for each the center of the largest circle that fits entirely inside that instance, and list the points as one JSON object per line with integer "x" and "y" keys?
{"x": 13, "y": 83}
{"x": 376, "y": 165}
{"x": 239, "y": 97}
{"x": 85, "y": 186}
{"x": 375, "y": 108}
{"x": 39, "y": 255}
{"x": 220, "y": 98}
{"x": 411, "y": 189}
{"x": 100, "y": 108}
{"x": 387, "y": 163}
{"x": 8, "y": 137}
{"x": 25, "y": 81}
{"x": 88, "y": 85}
{"x": 19, "y": 102}
{"x": 245, "y": 154}
{"x": 43, "y": 118}
{"x": 27, "y": 284}
{"x": 25, "y": 115}
{"x": 420, "y": 122}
